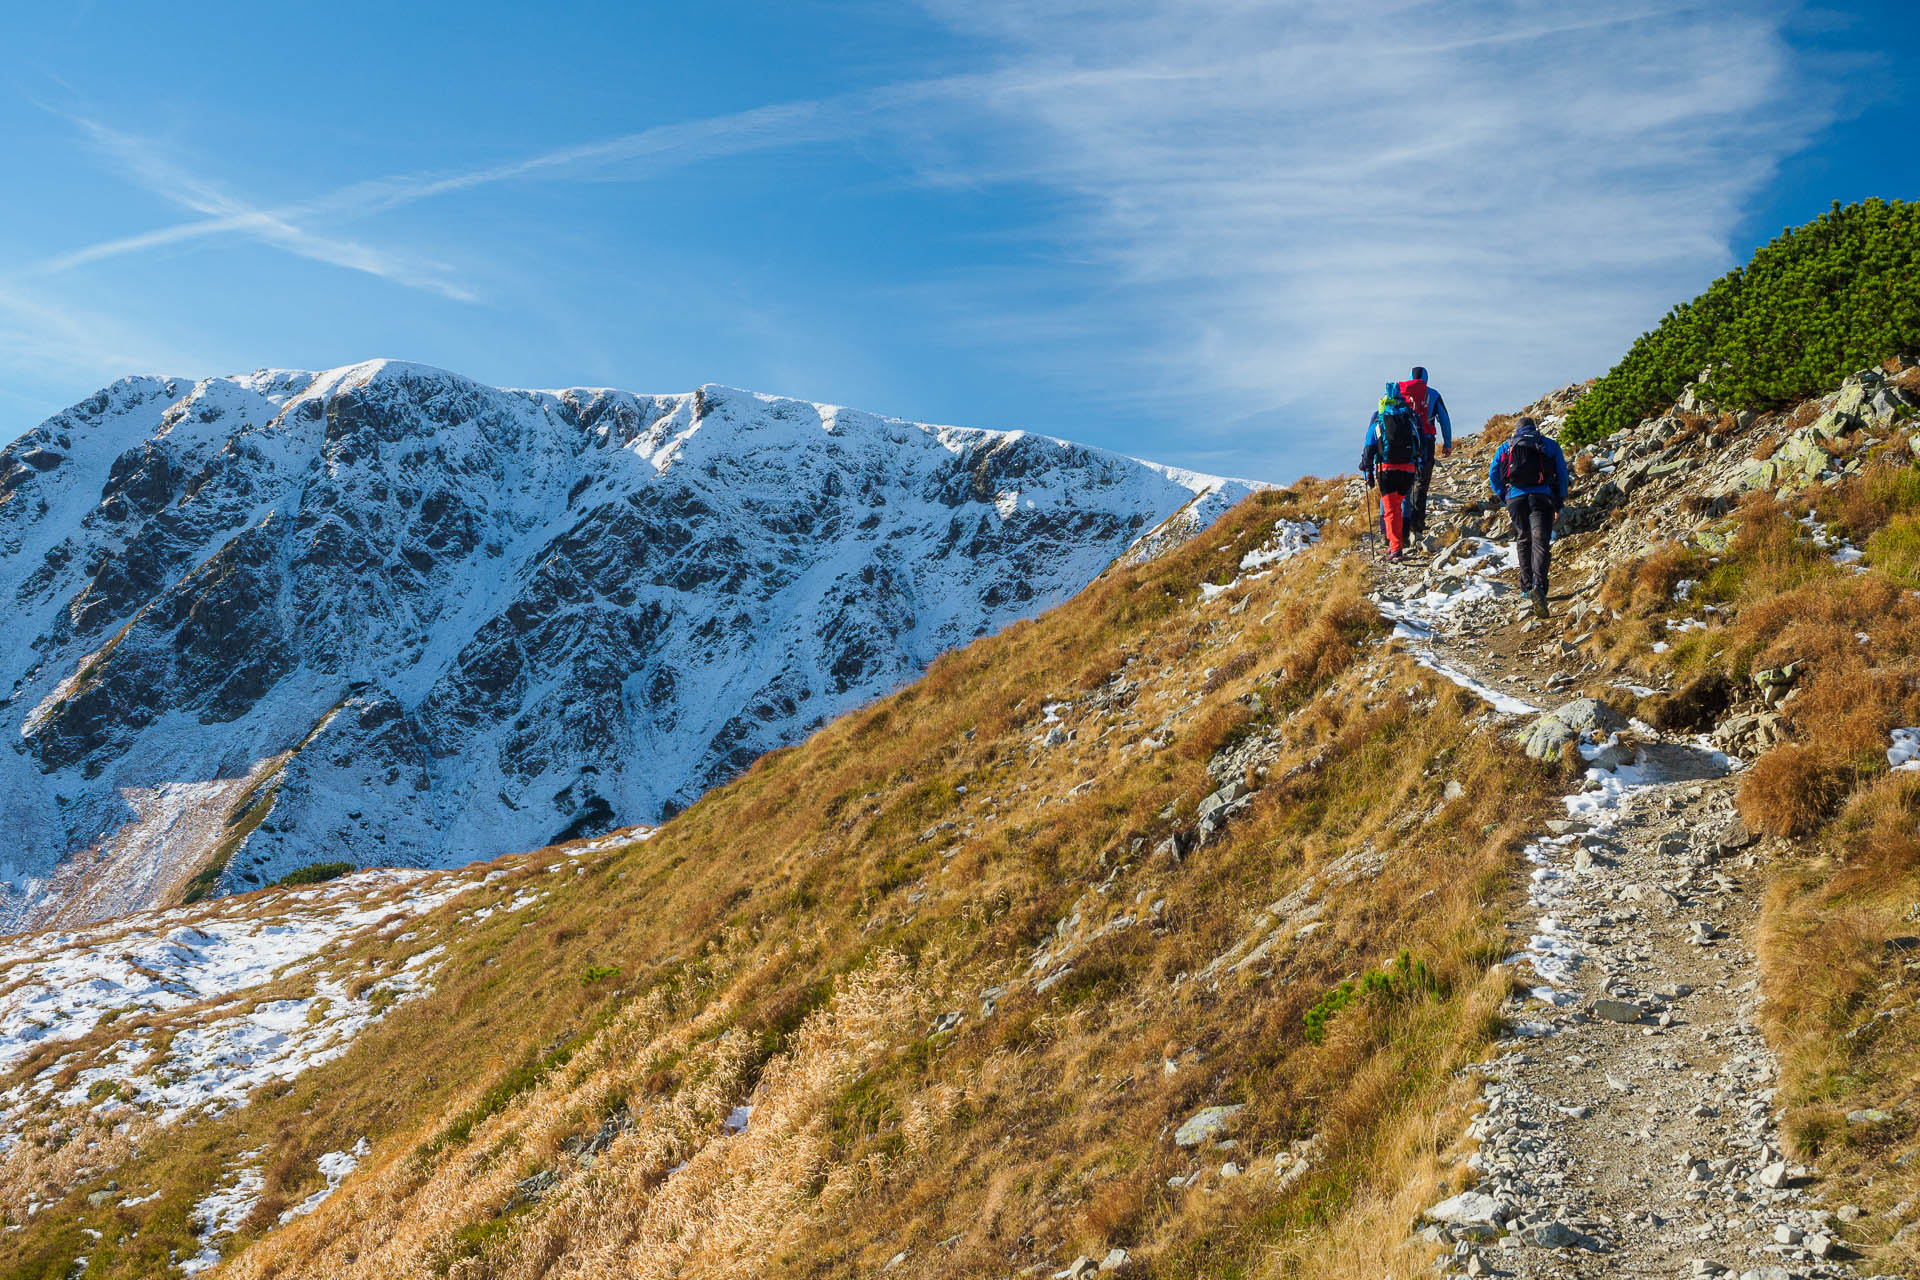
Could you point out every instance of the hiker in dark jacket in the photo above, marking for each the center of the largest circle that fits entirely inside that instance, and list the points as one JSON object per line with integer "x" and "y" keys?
{"x": 1391, "y": 461}
{"x": 1529, "y": 475}
{"x": 1431, "y": 411}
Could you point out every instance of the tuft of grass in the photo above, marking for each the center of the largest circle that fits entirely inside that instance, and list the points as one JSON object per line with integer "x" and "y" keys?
{"x": 1788, "y": 792}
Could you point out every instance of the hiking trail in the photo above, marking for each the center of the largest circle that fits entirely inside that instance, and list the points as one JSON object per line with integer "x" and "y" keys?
{"x": 1626, "y": 1125}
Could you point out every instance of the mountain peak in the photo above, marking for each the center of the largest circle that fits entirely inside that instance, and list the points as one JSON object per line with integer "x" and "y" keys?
{"x": 387, "y": 613}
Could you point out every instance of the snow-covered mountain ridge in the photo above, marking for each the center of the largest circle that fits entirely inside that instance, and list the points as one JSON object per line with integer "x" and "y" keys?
{"x": 388, "y": 615}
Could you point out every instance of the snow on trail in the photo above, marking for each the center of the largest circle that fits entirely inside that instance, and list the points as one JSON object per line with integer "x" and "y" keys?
{"x": 1423, "y": 619}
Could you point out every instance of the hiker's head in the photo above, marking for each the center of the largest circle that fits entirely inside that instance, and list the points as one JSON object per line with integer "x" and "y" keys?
{"x": 1420, "y": 372}
{"x": 1525, "y": 424}
{"x": 1393, "y": 390}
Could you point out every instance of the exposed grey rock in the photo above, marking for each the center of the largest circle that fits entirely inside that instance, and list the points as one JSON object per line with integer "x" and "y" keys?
{"x": 1550, "y": 1235}
{"x": 1229, "y": 794}
{"x": 1545, "y": 737}
{"x": 1617, "y": 1010}
{"x": 1467, "y": 1209}
{"x": 1207, "y": 1124}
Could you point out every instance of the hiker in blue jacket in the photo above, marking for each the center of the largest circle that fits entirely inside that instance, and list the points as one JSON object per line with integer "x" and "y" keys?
{"x": 1529, "y": 476}
{"x": 1391, "y": 462}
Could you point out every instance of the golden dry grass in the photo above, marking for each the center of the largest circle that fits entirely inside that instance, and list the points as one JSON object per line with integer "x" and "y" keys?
{"x": 789, "y": 941}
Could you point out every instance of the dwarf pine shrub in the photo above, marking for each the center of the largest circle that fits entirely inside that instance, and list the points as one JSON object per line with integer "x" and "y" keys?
{"x": 1405, "y": 979}
{"x": 315, "y": 873}
{"x": 1815, "y": 304}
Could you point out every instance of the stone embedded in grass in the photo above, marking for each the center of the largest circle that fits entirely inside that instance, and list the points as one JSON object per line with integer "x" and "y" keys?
{"x": 1868, "y": 1115}
{"x": 1229, "y": 794}
{"x": 1207, "y": 1124}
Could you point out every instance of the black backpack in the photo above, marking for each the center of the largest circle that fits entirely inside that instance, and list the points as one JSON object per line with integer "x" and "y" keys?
{"x": 1399, "y": 435}
{"x": 1527, "y": 464}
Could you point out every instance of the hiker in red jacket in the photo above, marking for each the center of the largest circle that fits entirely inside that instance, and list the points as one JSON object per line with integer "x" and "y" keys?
{"x": 1391, "y": 460}
{"x": 1431, "y": 412}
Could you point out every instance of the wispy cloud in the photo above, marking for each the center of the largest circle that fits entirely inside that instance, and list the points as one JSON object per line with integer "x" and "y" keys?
{"x": 146, "y": 164}
{"x": 50, "y": 339}
{"x": 1257, "y": 208}
{"x": 1288, "y": 202}
{"x": 628, "y": 156}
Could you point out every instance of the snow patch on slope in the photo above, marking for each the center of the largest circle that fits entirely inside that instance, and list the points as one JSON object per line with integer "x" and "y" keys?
{"x": 62, "y": 986}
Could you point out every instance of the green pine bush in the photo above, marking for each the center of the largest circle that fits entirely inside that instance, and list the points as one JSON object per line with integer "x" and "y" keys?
{"x": 1816, "y": 303}
{"x": 315, "y": 873}
{"x": 1405, "y": 979}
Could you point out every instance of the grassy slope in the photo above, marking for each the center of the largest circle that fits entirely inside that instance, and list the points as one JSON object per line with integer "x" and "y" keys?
{"x": 791, "y": 938}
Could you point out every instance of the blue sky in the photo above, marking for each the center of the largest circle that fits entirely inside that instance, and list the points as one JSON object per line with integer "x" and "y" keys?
{"x": 1200, "y": 231}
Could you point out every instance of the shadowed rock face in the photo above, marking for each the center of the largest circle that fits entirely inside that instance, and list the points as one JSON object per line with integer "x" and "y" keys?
{"x": 477, "y": 620}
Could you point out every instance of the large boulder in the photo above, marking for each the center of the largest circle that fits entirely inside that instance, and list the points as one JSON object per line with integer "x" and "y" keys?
{"x": 1546, "y": 737}
{"x": 1798, "y": 462}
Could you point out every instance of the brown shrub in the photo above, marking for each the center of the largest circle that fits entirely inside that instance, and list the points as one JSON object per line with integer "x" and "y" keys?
{"x": 1114, "y": 1214}
{"x": 1867, "y": 501}
{"x": 1498, "y": 428}
{"x": 1787, "y": 793}
{"x": 1584, "y": 465}
{"x": 1880, "y": 827}
{"x": 1216, "y": 729}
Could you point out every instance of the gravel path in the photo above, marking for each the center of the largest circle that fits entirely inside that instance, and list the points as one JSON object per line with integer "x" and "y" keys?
{"x": 1628, "y": 1126}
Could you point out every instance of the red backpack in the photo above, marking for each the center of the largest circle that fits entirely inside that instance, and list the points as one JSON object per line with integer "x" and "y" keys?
{"x": 1414, "y": 392}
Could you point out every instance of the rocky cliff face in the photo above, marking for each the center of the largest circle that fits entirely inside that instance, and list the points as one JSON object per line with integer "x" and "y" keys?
{"x": 386, "y": 615}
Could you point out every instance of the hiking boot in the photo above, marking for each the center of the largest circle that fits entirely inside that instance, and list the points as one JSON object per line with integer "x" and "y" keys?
{"x": 1539, "y": 598}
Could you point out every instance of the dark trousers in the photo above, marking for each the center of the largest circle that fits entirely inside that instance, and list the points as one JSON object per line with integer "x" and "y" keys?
{"x": 1532, "y": 537}
{"x": 1417, "y": 504}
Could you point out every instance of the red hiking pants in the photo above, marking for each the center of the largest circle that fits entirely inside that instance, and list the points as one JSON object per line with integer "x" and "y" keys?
{"x": 1394, "y": 488}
